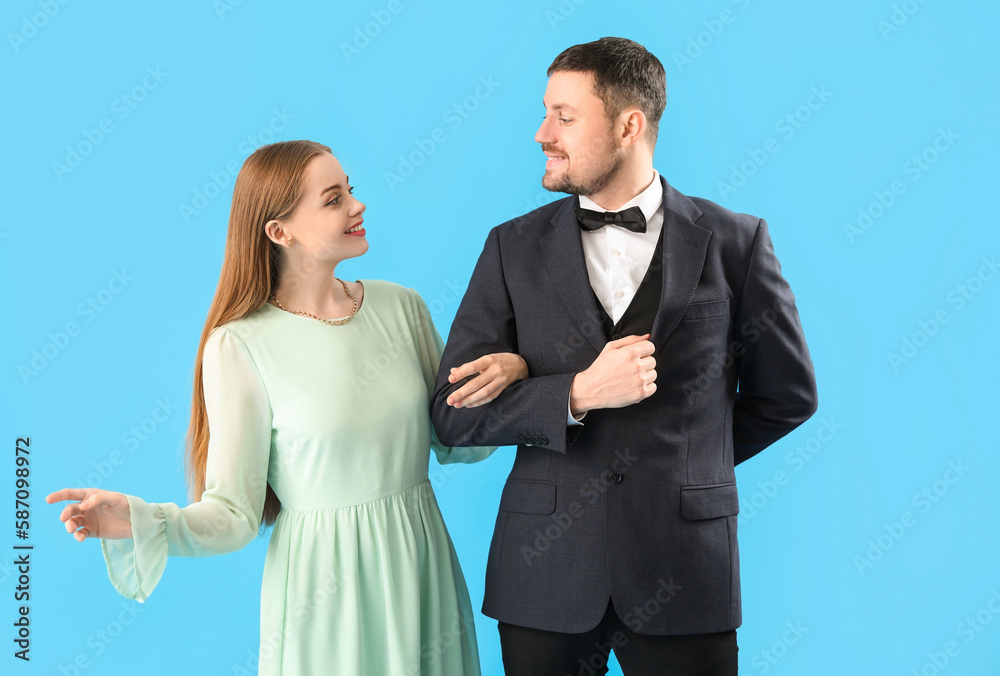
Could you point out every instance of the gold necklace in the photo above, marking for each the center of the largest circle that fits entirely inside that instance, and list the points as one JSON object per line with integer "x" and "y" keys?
{"x": 332, "y": 322}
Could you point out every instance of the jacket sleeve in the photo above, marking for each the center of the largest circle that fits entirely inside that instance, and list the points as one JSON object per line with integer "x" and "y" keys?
{"x": 777, "y": 386}
{"x": 531, "y": 411}
{"x": 228, "y": 515}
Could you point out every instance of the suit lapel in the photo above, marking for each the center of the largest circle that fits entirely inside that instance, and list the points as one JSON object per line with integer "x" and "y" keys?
{"x": 685, "y": 246}
{"x": 563, "y": 252}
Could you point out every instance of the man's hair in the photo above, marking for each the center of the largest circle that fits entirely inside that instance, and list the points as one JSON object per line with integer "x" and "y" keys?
{"x": 625, "y": 74}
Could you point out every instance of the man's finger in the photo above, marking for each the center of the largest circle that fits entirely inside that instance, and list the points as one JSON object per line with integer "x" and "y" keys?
{"x": 627, "y": 340}
{"x": 643, "y": 348}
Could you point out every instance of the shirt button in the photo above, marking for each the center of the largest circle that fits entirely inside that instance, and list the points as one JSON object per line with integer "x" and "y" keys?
{"x": 617, "y": 252}
{"x": 619, "y": 293}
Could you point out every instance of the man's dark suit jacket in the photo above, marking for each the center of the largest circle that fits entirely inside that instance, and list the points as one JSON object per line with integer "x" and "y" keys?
{"x": 640, "y": 503}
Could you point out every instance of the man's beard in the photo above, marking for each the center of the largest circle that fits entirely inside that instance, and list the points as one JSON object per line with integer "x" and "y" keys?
{"x": 592, "y": 184}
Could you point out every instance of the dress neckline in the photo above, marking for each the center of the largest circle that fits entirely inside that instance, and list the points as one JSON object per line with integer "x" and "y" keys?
{"x": 361, "y": 306}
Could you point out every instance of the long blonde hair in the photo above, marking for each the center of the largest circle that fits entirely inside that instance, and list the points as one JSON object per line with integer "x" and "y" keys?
{"x": 269, "y": 186}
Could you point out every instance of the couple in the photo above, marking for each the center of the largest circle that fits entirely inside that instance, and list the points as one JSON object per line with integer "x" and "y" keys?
{"x": 617, "y": 525}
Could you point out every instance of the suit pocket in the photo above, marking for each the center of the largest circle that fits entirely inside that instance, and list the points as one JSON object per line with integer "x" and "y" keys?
{"x": 707, "y": 309}
{"x": 528, "y": 497}
{"x": 709, "y": 502}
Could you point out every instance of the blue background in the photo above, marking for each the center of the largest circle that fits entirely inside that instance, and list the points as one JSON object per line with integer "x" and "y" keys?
{"x": 826, "y": 546}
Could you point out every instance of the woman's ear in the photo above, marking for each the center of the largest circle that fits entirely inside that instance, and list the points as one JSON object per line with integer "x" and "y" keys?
{"x": 277, "y": 233}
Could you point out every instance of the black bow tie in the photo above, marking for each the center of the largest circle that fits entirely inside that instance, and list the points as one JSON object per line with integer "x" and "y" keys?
{"x": 630, "y": 219}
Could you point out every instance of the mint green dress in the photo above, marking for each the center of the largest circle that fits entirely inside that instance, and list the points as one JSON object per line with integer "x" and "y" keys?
{"x": 361, "y": 576}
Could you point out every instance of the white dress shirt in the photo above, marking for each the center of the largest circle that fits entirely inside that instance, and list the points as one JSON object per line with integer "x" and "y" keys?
{"x": 617, "y": 259}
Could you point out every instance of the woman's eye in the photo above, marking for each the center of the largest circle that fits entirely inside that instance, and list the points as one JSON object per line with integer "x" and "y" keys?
{"x": 336, "y": 200}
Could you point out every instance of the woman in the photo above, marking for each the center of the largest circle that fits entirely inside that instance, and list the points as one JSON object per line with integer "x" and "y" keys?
{"x": 326, "y": 420}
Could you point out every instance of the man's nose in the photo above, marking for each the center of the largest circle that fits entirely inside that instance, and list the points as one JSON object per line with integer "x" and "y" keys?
{"x": 544, "y": 133}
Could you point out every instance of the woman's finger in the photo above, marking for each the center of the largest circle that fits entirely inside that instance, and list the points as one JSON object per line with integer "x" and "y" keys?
{"x": 67, "y": 494}
{"x": 467, "y": 369}
{"x": 69, "y": 511}
{"x": 73, "y": 524}
{"x": 100, "y": 498}
{"x": 457, "y": 397}
{"x": 484, "y": 394}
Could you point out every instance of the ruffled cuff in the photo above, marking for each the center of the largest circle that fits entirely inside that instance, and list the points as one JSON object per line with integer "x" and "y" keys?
{"x": 464, "y": 454}
{"x": 135, "y": 565}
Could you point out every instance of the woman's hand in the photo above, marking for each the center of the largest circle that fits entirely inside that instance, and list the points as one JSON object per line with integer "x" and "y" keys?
{"x": 496, "y": 371}
{"x": 98, "y": 514}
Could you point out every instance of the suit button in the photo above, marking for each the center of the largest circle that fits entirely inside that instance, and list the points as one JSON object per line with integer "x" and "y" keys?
{"x": 545, "y": 440}
{"x": 522, "y": 438}
{"x": 616, "y": 336}
{"x": 615, "y": 477}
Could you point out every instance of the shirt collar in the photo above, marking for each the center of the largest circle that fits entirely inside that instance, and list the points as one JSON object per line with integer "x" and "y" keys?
{"x": 648, "y": 200}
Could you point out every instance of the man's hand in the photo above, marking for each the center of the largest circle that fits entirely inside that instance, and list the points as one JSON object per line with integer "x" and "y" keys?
{"x": 496, "y": 371}
{"x": 622, "y": 375}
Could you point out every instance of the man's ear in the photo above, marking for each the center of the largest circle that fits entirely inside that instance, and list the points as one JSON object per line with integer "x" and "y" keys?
{"x": 632, "y": 125}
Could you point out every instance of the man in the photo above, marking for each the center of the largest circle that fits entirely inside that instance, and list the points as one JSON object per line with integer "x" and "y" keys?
{"x": 664, "y": 348}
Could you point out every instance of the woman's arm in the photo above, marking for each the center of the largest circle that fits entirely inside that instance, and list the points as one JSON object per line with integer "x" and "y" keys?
{"x": 137, "y": 536}
{"x": 503, "y": 369}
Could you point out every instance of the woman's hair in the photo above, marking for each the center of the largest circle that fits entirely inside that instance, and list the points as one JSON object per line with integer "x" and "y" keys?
{"x": 269, "y": 186}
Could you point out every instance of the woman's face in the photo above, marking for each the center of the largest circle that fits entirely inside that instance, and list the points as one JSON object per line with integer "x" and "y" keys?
{"x": 326, "y": 224}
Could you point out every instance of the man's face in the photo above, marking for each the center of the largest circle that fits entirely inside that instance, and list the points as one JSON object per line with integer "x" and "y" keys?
{"x": 576, "y": 137}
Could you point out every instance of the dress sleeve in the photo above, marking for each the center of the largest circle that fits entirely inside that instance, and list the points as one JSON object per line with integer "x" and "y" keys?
{"x": 228, "y": 515}
{"x": 430, "y": 347}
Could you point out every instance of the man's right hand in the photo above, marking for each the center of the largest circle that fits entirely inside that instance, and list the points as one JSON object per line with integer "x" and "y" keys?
{"x": 622, "y": 375}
